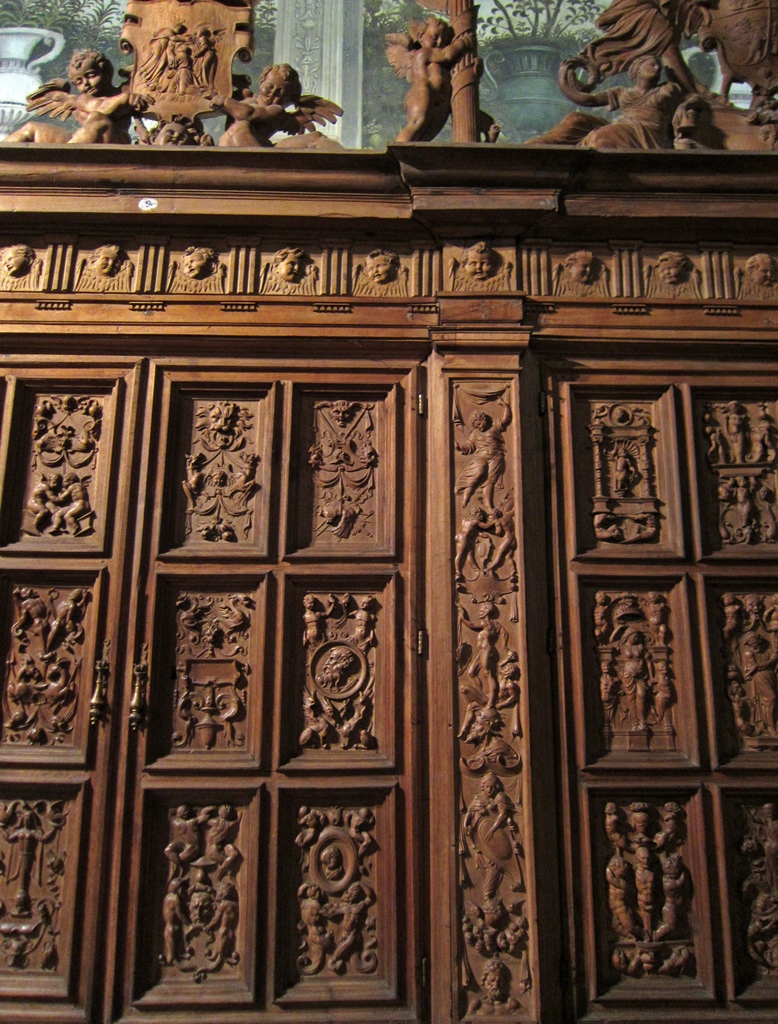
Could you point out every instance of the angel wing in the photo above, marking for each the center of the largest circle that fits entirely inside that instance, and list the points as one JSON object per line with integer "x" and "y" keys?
{"x": 313, "y": 110}
{"x": 53, "y": 98}
{"x": 399, "y": 46}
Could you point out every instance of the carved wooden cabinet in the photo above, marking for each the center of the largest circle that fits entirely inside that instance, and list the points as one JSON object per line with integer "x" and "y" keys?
{"x": 387, "y": 551}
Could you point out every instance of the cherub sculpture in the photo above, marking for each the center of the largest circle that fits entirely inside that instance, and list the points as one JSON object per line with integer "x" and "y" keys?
{"x": 256, "y": 117}
{"x": 101, "y": 108}
{"x": 425, "y": 55}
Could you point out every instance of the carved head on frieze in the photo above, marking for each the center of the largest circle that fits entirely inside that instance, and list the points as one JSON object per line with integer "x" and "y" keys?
{"x": 481, "y": 268}
{"x": 17, "y": 260}
{"x": 581, "y": 273}
{"x": 759, "y": 278}
{"x": 289, "y": 264}
{"x": 104, "y": 260}
{"x": 178, "y": 131}
{"x": 673, "y": 267}
{"x": 382, "y": 266}
{"x": 674, "y": 275}
{"x": 199, "y": 261}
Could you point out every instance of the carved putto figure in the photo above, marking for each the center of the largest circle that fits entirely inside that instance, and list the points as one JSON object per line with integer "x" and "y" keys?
{"x": 742, "y": 453}
{"x": 291, "y": 271}
{"x": 636, "y": 688}
{"x": 759, "y": 278}
{"x": 201, "y": 906}
{"x": 673, "y": 276}
{"x": 101, "y": 108}
{"x": 20, "y": 269}
{"x": 425, "y": 56}
{"x": 581, "y": 273}
{"x": 33, "y": 857}
{"x": 337, "y": 926}
{"x": 339, "y": 635}
{"x": 649, "y": 890}
{"x": 106, "y": 269}
{"x": 381, "y": 274}
{"x": 256, "y": 118}
{"x": 199, "y": 271}
{"x": 481, "y": 269}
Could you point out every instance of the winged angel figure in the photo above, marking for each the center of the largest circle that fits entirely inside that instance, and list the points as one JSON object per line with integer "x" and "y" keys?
{"x": 256, "y": 117}
{"x": 425, "y": 55}
{"x": 102, "y": 109}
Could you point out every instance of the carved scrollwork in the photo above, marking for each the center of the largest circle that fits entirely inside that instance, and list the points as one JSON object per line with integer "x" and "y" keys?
{"x": 636, "y": 679}
{"x": 198, "y": 272}
{"x": 337, "y": 926}
{"x": 220, "y": 484}
{"x": 291, "y": 271}
{"x": 107, "y": 268}
{"x": 750, "y": 646}
{"x": 20, "y": 269}
{"x": 743, "y": 454}
{"x": 759, "y": 848}
{"x": 339, "y": 634}
{"x": 492, "y": 873}
{"x": 481, "y": 269}
{"x": 213, "y": 635}
{"x": 65, "y": 440}
{"x": 673, "y": 276}
{"x": 33, "y": 861}
{"x": 43, "y": 672}
{"x": 649, "y": 890}
{"x": 343, "y": 461}
{"x": 201, "y": 906}
{"x": 381, "y": 274}
{"x": 625, "y": 505}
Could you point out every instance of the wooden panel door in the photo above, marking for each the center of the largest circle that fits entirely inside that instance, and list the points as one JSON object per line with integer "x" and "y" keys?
{"x": 665, "y": 511}
{"x": 66, "y": 465}
{"x": 271, "y": 817}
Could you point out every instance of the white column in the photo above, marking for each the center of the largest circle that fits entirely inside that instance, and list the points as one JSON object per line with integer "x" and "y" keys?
{"x": 323, "y": 40}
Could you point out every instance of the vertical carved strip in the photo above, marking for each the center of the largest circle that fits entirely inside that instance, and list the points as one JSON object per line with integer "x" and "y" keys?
{"x": 63, "y": 258}
{"x": 492, "y": 872}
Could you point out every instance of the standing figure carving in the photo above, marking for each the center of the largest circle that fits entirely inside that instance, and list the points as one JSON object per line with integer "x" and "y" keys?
{"x": 759, "y": 888}
{"x": 750, "y": 648}
{"x": 636, "y": 688}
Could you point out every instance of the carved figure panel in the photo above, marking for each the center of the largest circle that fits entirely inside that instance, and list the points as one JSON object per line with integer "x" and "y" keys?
{"x": 21, "y": 269}
{"x": 759, "y": 277}
{"x": 381, "y": 274}
{"x": 637, "y": 692}
{"x": 65, "y": 450}
{"x": 757, "y": 847}
{"x": 291, "y": 271}
{"x": 742, "y": 453}
{"x": 625, "y": 504}
{"x": 495, "y": 928}
{"x": 649, "y": 886}
{"x": 338, "y": 923}
{"x": 221, "y": 486}
{"x": 481, "y": 269}
{"x": 749, "y": 633}
{"x": 673, "y": 276}
{"x": 44, "y": 677}
{"x": 213, "y": 666}
{"x": 582, "y": 274}
{"x": 184, "y": 55}
{"x": 202, "y": 904}
{"x": 343, "y": 461}
{"x": 35, "y": 862}
{"x": 340, "y": 634}
{"x": 199, "y": 271}
{"x": 107, "y": 268}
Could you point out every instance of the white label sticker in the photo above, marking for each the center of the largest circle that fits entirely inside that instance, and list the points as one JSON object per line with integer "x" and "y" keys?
{"x": 147, "y": 205}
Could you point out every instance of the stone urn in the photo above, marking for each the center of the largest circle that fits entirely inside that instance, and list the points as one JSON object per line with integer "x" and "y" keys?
{"x": 521, "y": 89}
{"x": 19, "y": 71}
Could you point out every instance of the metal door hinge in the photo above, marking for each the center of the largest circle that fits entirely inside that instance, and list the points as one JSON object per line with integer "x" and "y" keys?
{"x": 421, "y": 404}
{"x": 542, "y": 403}
{"x": 551, "y": 640}
{"x": 97, "y": 704}
{"x": 140, "y": 672}
{"x": 421, "y": 641}
{"x": 424, "y": 978}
